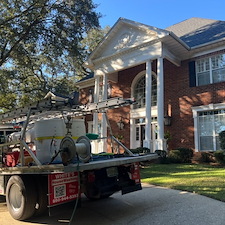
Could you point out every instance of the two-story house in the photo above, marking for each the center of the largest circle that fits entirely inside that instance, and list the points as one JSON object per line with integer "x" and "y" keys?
{"x": 176, "y": 75}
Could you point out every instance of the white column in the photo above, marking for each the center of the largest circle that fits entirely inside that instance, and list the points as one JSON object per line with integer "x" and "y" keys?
{"x": 195, "y": 116}
{"x": 148, "y": 104}
{"x": 95, "y": 116}
{"x": 132, "y": 133}
{"x": 160, "y": 102}
{"x": 103, "y": 122}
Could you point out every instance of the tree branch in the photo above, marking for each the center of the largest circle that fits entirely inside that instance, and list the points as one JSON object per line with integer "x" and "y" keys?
{"x": 23, "y": 35}
{"x": 17, "y": 16}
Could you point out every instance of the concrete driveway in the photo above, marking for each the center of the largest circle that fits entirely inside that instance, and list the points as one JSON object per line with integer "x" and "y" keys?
{"x": 151, "y": 206}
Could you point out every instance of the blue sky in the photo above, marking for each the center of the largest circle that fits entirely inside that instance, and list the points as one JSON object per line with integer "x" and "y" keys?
{"x": 159, "y": 13}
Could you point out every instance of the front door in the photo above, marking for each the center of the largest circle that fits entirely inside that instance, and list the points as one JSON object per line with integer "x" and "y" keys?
{"x": 140, "y": 133}
{"x": 154, "y": 135}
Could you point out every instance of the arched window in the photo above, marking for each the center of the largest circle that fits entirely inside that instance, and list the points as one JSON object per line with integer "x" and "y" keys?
{"x": 139, "y": 92}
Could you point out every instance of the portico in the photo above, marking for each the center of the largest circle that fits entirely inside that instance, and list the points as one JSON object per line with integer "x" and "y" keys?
{"x": 127, "y": 45}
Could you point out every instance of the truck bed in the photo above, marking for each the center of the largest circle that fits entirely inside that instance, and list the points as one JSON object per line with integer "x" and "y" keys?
{"x": 95, "y": 164}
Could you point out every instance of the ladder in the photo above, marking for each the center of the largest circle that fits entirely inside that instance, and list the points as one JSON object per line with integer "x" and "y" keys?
{"x": 50, "y": 106}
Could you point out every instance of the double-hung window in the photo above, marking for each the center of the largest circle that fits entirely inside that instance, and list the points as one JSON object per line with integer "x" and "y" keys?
{"x": 210, "y": 124}
{"x": 210, "y": 70}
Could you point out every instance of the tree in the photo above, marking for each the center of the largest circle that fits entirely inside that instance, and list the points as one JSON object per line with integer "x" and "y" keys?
{"x": 40, "y": 43}
{"x": 93, "y": 38}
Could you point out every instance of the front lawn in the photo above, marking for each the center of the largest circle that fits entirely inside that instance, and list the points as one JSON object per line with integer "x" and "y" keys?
{"x": 201, "y": 179}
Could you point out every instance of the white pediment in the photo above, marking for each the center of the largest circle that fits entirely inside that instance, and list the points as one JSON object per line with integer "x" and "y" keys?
{"x": 125, "y": 35}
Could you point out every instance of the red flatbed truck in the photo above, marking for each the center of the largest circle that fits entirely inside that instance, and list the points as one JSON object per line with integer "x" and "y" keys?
{"x": 32, "y": 183}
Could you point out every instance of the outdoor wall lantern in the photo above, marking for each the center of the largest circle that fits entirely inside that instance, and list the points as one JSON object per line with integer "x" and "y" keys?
{"x": 167, "y": 120}
{"x": 121, "y": 124}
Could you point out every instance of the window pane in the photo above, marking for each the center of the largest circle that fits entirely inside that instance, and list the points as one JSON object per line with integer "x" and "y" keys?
{"x": 206, "y": 143}
{"x": 137, "y": 133}
{"x": 203, "y": 78}
{"x": 139, "y": 92}
{"x": 218, "y": 75}
{"x": 205, "y": 125}
{"x": 215, "y": 62}
{"x": 218, "y": 61}
{"x": 202, "y": 65}
{"x": 211, "y": 123}
{"x": 219, "y": 123}
{"x": 154, "y": 91}
{"x": 222, "y": 61}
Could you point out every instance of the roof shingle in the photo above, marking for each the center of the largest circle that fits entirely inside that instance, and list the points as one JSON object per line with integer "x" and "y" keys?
{"x": 198, "y": 31}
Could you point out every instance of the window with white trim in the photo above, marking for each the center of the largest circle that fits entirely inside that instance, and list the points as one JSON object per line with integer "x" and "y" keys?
{"x": 210, "y": 124}
{"x": 139, "y": 92}
{"x": 210, "y": 70}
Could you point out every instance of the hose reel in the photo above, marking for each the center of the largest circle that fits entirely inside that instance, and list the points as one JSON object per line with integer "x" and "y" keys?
{"x": 69, "y": 149}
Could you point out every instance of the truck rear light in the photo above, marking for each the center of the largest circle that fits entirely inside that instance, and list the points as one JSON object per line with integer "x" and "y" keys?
{"x": 135, "y": 173}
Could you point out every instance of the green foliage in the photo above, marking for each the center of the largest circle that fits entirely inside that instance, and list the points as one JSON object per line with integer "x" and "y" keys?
{"x": 220, "y": 156}
{"x": 40, "y": 45}
{"x": 93, "y": 38}
{"x": 222, "y": 139}
{"x": 174, "y": 156}
{"x": 207, "y": 157}
{"x": 140, "y": 150}
{"x": 163, "y": 156}
{"x": 180, "y": 155}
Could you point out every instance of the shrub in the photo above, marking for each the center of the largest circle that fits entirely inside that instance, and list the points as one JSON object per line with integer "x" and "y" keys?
{"x": 181, "y": 155}
{"x": 207, "y": 157}
{"x": 163, "y": 159}
{"x": 174, "y": 156}
{"x": 222, "y": 139}
{"x": 140, "y": 150}
{"x": 220, "y": 156}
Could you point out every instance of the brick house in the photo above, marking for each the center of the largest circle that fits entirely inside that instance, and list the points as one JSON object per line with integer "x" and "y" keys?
{"x": 176, "y": 75}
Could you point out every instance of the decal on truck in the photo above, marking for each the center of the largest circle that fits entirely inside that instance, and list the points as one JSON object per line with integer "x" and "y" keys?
{"x": 62, "y": 187}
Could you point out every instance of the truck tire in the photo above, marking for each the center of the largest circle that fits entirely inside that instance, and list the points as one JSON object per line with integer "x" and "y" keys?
{"x": 21, "y": 197}
{"x": 92, "y": 192}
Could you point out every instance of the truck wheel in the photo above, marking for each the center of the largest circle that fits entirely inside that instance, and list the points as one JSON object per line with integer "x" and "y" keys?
{"x": 92, "y": 192}
{"x": 21, "y": 197}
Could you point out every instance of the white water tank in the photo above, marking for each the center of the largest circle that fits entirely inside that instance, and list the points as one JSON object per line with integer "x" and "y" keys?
{"x": 78, "y": 128}
{"x": 48, "y": 135}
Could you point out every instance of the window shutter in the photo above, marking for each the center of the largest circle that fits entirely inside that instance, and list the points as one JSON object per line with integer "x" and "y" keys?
{"x": 192, "y": 74}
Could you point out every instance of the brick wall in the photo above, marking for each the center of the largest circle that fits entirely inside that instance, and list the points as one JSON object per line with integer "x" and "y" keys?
{"x": 181, "y": 97}
{"x": 178, "y": 100}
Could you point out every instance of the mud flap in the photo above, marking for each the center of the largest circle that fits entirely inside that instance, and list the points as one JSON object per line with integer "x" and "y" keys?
{"x": 132, "y": 188}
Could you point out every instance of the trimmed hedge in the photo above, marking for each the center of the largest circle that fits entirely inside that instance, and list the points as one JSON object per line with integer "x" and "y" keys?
{"x": 207, "y": 157}
{"x": 180, "y": 155}
{"x": 220, "y": 156}
{"x": 140, "y": 150}
{"x": 222, "y": 139}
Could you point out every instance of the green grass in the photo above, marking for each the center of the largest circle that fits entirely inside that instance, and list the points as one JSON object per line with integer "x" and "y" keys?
{"x": 200, "y": 179}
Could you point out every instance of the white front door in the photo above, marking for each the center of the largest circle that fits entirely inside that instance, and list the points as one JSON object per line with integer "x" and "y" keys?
{"x": 154, "y": 136}
{"x": 139, "y": 134}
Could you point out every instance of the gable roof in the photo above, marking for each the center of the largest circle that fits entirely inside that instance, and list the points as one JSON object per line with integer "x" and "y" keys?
{"x": 126, "y": 27}
{"x": 128, "y": 36}
{"x": 198, "y": 31}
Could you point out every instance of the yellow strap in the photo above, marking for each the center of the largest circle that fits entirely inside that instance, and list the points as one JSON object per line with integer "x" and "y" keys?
{"x": 52, "y": 137}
